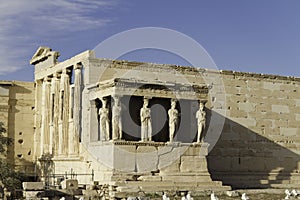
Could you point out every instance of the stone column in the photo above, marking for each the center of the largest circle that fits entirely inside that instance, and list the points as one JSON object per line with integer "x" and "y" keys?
{"x": 43, "y": 110}
{"x": 45, "y": 132}
{"x": 37, "y": 118}
{"x": 93, "y": 122}
{"x": 64, "y": 113}
{"x": 74, "y": 136}
{"x": 53, "y": 113}
{"x": 56, "y": 87}
{"x": 71, "y": 122}
{"x": 116, "y": 119}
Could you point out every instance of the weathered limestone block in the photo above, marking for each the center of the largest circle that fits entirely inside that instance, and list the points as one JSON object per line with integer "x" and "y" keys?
{"x": 169, "y": 157}
{"x": 124, "y": 158}
{"x": 31, "y": 194}
{"x": 271, "y": 86}
{"x": 69, "y": 184}
{"x": 172, "y": 166}
{"x": 4, "y": 92}
{"x": 235, "y": 113}
{"x": 297, "y": 102}
{"x": 149, "y": 178}
{"x": 293, "y": 95}
{"x": 146, "y": 159}
{"x": 131, "y": 189}
{"x": 191, "y": 151}
{"x": 33, "y": 185}
{"x": 293, "y": 123}
{"x": 248, "y": 107}
{"x": 247, "y": 135}
{"x": 288, "y": 131}
{"x": 188, "y": 179}
{"x": 280, "y": 109}
{"x": 197, "y": 150}
{"x": 297, "y": 117}
{"x": 251, "y": 164}
{"x": 264, "y": 123}
{"x": 245, "y": 121}
{"x": 221, "y": 163}
{"x": 193, "y": 164}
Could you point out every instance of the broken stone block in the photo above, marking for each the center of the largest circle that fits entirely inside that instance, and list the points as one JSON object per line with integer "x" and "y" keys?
{"x": 33, "y": 186}
{"x": 69, "y": 184}
{"x": 232, "y": 193}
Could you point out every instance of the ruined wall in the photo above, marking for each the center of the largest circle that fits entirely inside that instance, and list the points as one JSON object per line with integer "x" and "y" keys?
{"x": 259, "y": 145}
{"x": 17, "y": 114}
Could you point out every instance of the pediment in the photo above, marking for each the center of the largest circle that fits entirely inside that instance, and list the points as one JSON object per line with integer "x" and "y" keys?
{"x": 42, "y": 54}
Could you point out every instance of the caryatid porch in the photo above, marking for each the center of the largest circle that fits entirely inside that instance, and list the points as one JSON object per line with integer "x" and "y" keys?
{"x": 164, "y": 150}
{"x": 135, "y": 110}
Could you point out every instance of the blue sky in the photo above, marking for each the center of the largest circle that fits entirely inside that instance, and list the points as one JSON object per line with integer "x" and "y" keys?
{"x": 250, "y": 36}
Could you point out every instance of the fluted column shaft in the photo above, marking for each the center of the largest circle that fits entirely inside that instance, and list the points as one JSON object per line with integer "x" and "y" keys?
{"x": 54, "y": 110}
{"x": 64, "y": 113}
{"x": 45, "y": 128}
{"x": 74, "y": 135}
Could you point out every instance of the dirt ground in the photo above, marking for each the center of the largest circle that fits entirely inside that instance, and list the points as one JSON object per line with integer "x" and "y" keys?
{"x": 251, "y": 197}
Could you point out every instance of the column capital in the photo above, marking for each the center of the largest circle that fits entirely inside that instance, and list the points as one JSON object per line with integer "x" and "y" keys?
{"x": 56, "y": 75}
{"x": 115, "y": 96}
{"x": 65, "y": 71}
{"x": 47, "y": 79}
{"x": 77, "y": 66}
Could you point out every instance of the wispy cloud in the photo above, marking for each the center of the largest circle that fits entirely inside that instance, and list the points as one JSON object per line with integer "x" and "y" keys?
{"x": 24, "y": 21}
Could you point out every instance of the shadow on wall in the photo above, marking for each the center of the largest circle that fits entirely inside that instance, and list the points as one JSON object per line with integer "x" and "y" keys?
{"x": 19, "y": 97}
{"x": 242, "y": 158}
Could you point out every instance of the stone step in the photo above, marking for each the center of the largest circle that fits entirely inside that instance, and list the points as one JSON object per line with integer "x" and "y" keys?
{"x": 152, "y": 186}
{"x": 172, "y": 187}
{"x": 285, "y": 186}
{"x": 189, "y": 178}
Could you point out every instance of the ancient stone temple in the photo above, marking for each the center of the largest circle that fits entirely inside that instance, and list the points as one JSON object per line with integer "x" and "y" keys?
{"x": 147, "y": 127}
{"x": 117, "y": 120}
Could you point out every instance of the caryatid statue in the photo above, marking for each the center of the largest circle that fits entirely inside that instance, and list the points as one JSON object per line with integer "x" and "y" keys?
{"x": 116, "y": 120}
{"x": 201, "y": 120}
{"x": 173, "y": 119}
{"x": 104, "y": 120}
{"x": 145, "y": 114}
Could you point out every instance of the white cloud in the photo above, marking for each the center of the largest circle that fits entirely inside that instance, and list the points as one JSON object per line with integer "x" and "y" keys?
{"x": 24, "y": 21}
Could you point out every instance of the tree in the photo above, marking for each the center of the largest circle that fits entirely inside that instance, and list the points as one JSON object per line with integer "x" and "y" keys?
{"x": 9, "y": 179}
{"x": 4, "y": 141}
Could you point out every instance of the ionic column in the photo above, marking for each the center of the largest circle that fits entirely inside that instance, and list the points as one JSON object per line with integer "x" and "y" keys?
{"x": 64, "y": 113}
{"x": 116, "y": 119}
{"x": 45, "y": 132}
{"x": 53, "y": 113}
{"x": 74, "y": 135}
{"x": 37, "y": 118}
